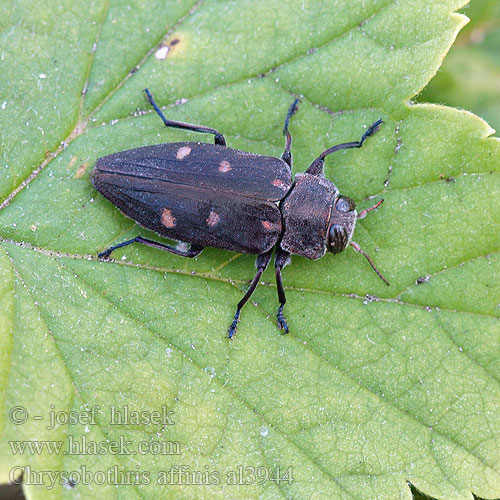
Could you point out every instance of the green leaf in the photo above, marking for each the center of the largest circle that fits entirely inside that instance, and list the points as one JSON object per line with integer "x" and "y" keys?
{"x": 375, "y": 387}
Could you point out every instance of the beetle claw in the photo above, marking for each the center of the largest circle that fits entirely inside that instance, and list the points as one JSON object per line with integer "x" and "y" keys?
{"x": 232, "y": 330}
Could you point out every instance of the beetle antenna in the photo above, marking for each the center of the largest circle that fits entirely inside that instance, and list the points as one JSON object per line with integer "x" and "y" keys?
{"x": 316, "y": 167}
{"x": 366, "y": 211}
{"x": 364, "y": 254}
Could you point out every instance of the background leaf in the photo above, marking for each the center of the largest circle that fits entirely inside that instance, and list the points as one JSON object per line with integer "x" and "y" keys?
{"x": 375, "y": 387}
{"x": 470, "y": 75}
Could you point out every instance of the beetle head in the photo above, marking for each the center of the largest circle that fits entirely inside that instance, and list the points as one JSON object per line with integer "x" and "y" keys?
{"x": 342, "y": 223}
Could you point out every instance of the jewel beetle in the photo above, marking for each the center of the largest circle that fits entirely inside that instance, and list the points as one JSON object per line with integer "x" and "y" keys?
{"x": 209, "y": 195}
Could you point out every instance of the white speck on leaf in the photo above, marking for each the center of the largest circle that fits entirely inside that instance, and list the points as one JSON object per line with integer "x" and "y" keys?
{"x": 162, "y": 52}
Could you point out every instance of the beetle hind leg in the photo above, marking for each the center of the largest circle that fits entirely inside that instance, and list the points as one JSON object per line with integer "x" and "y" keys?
{"x": 193, "y": 251}
{"x": 261, "y": 263}
{"x": 281, "y": 260}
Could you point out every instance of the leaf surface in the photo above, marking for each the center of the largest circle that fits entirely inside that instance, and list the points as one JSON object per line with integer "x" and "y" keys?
{"x": 375, "y": 387}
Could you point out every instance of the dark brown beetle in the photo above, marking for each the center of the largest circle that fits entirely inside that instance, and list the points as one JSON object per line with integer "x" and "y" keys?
{"x": 214, "y": 196}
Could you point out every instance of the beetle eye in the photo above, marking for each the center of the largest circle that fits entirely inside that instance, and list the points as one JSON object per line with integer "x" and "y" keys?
{"x": 345, "y": 204}
{"x": 337, "y": 238}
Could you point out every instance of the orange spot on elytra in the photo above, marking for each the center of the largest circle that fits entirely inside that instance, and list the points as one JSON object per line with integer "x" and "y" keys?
{"x": 279, "y": 183}
{"x": 183, "y": 152}
{"x": 213, "y": 218}
{"x": 269, "y": 226}
{"x": 224, "y": 166}
{"x": 167, "y": 219}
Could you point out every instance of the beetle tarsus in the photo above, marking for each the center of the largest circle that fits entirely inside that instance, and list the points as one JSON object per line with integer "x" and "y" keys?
{"x": 282, "y": 325}
{"x": 261, "y": 263}
{"x": 316, "y": 167}
{"x": 104, "y": 255}
{"x": 281, "y": 260}
{"x": 231, "y": 331}
{"x": 287, "y": 155}
{"x": 372, "y": 129}
{"x": 291, "y": 111}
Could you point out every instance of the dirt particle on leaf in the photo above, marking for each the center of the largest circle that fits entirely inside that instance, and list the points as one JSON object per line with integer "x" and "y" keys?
{"x": 72, "y": 161}
{"x": 81, "y": 170}
{"x": 167, "y": 48}
{"x": 422, "y": 279}
{"x": 447, "y": 179}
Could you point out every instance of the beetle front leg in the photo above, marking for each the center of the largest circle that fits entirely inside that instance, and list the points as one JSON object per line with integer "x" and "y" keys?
{"x": 281, "y": 260}
{"x": 261, "y": 263}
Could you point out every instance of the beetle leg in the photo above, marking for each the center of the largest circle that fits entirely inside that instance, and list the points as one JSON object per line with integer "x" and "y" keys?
{"x": 316, "y": 167}
{"x": 281, "y": 260}
{"x": 287, "y": 155}
{"x": 192, "y": 252}
{"x": 219, "y": 138}
{"x": 261, "y": 264}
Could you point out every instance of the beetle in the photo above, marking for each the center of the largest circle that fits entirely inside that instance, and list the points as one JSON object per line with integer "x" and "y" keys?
{"x": 209, "y": 195}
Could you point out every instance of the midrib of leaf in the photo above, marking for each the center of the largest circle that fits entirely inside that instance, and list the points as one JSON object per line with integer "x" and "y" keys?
{"x": 233, "y": 281}
{"x": 224, "y": 386}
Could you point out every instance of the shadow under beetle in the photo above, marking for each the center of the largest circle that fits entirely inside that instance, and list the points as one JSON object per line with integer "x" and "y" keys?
{"x": 214, "y": 196}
